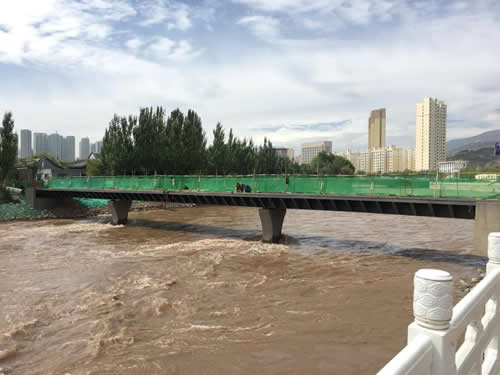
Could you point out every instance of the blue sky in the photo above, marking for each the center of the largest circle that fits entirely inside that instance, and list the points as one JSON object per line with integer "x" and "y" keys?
{"x": 291, "y": 70}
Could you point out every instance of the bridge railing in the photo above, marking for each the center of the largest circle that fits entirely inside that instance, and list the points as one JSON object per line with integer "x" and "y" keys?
{"x": 439, "y": 328}
{"x": 404, "y": 185}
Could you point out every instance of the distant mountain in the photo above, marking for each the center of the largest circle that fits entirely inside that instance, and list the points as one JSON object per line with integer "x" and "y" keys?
{"x": 481, "y": 158}
{"x": 483, "y": 140}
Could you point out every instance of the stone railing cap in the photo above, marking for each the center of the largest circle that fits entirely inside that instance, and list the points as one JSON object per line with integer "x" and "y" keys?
{"x": 432, "y": 274}
{"x": 494, "y": 234}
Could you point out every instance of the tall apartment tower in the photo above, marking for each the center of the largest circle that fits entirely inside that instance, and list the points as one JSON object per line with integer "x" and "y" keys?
{"x": 26, "y": 150}
{"x": 84, "y": 148}
{"x": 376, "y": 129}
{"x": 98, "y": 147}
{"x": 55, "y": 145}
{"x": 68, "y": 149}
{"x": 431, "y": 134}
{"x": 40, "y": 143}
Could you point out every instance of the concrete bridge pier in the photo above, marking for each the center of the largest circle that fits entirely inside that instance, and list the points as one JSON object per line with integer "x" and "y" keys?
{"x": 39, "y": 203}
{"x": 487, "y": 221}
{"x": 272, "y": 222}
{"x": 119, "y": 211}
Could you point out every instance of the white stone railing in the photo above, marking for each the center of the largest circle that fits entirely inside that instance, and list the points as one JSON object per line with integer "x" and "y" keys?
{"x": 439, "y": 327}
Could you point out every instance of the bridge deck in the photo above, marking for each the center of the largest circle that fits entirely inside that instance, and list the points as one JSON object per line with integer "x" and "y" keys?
{"x": 442, "y": 207}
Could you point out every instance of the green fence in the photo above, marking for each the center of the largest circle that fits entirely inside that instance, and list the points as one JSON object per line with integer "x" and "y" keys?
{"x": 410, "y": 185}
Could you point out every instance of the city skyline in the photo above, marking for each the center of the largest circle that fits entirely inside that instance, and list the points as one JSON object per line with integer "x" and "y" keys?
{"x": 62, "y": 147}
{"x": 301, "y": 72}
{"x": 376, "y": 133}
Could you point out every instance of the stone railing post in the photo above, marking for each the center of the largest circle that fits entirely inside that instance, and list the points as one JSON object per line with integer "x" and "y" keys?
{"x": 491, "y": 353}
{"x": 433, "y": 308}
{"x": 493, "y": 252}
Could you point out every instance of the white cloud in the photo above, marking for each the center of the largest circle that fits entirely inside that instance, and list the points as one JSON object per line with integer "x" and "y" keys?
{"x": 165, "y": 48}
{"x": 312, "y": 24}
{"x": 162, "y": 46}
{"x": 176, "y": 15}
{"x": 289, "y": 5}
{"x": 41, "y": 29}
{"x": 134, "y": 43}
{"x": 262, "y": 26}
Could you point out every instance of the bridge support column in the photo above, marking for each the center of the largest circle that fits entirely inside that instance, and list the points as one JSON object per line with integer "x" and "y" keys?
{"x": 119, "y": 211}
{"x": 39, "y": 203}
{"x": 487, "y": 221}
{"x": 272, "y": 222}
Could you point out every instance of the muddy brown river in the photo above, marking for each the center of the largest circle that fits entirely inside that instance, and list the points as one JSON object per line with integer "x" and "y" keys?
{"x": 194, "y": 291}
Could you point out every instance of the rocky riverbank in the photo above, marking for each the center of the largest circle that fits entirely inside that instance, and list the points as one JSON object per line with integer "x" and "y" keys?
{"x": 19, "y": 209}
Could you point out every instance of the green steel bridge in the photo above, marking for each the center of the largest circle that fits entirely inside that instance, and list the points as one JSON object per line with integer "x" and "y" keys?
{"x": 461, "y": 197}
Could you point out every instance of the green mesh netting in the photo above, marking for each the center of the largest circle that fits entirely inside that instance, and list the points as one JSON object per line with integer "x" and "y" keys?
{"x": 413, "y": 186}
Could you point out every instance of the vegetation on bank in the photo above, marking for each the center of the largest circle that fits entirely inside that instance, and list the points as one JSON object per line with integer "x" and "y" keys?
{"x": 19, "y": 209}
{"x": 153, "y": 143}
{"x": 482, "y": 159}
{"x": 5, "y": 196}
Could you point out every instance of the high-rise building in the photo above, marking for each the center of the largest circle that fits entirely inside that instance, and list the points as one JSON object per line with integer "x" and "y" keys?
{"x": 310, "y": 150}
{"x": 84, "y": 148}
{"x": 68, "y": 148}
{"x": 40, "y": 143}
{"x": 409, "y": 159}
{"x": 376, "y": 129}
{"x": 26, "y": 150}
{"x": 378, "y": 160}
{"x": 98, "y": 146}
{"x": 55, "y": 145}
{"x": 431, "y": 134}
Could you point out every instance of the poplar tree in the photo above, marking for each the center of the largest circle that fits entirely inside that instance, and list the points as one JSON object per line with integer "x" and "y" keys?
{"x": 8, "y": 147}
{"x": 194, "y": 144}
{"x": 217, "y": 151}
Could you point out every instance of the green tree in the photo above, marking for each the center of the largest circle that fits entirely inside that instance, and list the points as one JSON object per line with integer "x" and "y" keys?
{"x": 149, "y": 135}
{"x": 329, "y": 164}
{"x": 194, "y": 144}
{"x": 95, "y": 168}
{"x": 117, "y": 152}
{"x": 217, "y": 152}
{"x": 173, "y": 145}
{"x": 267, "y": 159}
{"x": 8, "y": 147}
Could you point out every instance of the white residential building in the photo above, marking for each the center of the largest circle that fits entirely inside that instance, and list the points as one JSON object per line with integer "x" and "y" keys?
{"x": 378, "y": 160}
{"x": 310, "y": 150}
{"x": 409, "y": 159}
{"x": 452, "y": 166}
{"x": 395, "y": 159}
{"x": 353, "y": 157}
{"x": 430, "y": 134}
{"x": 381, "y": 160}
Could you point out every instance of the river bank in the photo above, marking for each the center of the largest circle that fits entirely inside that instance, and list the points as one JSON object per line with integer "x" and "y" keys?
{"x": 20, "y": 210}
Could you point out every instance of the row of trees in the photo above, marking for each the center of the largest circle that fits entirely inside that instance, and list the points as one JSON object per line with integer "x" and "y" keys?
{"x": 153, "y": 143}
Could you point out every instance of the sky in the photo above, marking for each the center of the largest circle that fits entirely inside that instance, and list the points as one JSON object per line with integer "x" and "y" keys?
{"x": 290, "y": 70}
